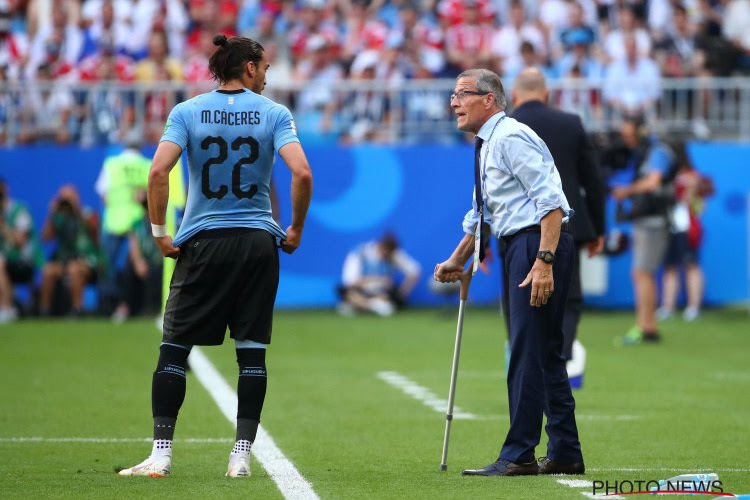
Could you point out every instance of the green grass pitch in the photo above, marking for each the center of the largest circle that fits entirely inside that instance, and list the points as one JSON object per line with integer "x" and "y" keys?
{"x": 645, "y": 412}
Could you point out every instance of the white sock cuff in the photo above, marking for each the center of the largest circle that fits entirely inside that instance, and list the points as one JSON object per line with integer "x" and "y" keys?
{"x": 161, "y": 448}
{"x": 242, "y": 446}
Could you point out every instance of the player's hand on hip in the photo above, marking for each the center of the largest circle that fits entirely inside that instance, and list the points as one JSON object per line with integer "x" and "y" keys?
{"x": 542, "y": 283}
{"x": 448, "y": 271}
{"x": 167, "y": 247}
{"x": 292, "y": 241}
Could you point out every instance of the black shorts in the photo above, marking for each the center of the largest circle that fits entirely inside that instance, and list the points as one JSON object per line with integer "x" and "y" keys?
{"x": 19, "y": 271}
{"x": 679, "y": 252}
{"x": 223, "y": 278}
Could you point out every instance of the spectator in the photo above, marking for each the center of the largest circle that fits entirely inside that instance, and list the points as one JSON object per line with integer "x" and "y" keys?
{"x": 92, "y": 11}
{"x": 158, "y": 67}
{"x": 312, "y": 21}
{"x": 369, "y": 278}
{"x": 631, "y": 85}
{"x": 653, "y": 162}
{"x": 168, "y": 16}
{"x": 39, "y": 13}
{"x": 363, "y": 30}
{"x": 317, "y": 100}
{"x": 554, "y": 17}
{"x": 469, "y": 44}
{"x": 576, "y": 33}
{"x": 367, "y": 111}
{"x": 736, "y": 28}
{"x": 110, "y": 111}
{"x": 413, "y": 26}
{"x": 265, "y": 31}
{"x": 9, "y": 104}
{"x": 574, "y": 96}
{"x": 530, "y": 59}
{"x": 615, "y": 42}
{"x": 74, "y": 257}
{"x": 120, "y": 179}
{"x": 506, "y": 43}
{"x": 691, "y": 189}
{"x": 454, "y": 12}
{"x": 195, "y": 70}
{"x": 420, "y": 43}
{"x": 141, "y": 278}
{"x": 14, "y": 47}
{"x": 679, "y": 53}
{"x": 106, "y": 30}
{"x": 578, "y": 54}
{"x": 58, "y": 44}
{"x": 47, "y": 110}
{"x": 19, "y": 251}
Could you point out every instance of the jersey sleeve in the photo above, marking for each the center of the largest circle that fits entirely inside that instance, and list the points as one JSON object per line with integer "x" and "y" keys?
{"x": 284, "y": 130}
{"x": 176, "y": 129}
{"x": 658, "y": 160}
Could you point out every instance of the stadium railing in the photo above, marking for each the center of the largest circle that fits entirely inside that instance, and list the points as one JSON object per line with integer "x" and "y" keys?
{"x": 403, "y": 112}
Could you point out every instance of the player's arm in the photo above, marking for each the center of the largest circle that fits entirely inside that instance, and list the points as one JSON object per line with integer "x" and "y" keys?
{"x": 164, "y": 160}
{"x": 294, "y": 157}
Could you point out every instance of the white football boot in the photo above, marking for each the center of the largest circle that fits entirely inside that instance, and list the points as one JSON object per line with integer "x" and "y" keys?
{"x": 151, "y": 467}
{"x": 239, "y": 465}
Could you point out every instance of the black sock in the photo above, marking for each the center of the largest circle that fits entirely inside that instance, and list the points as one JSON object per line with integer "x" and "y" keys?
{"x": 168, "y": 389}
{"x": 251, "y": 391}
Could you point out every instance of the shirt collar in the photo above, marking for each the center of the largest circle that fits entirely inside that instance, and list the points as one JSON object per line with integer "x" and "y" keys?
{"x": 486, "y": 131}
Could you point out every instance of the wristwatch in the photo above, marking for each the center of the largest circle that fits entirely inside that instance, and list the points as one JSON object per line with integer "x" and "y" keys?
{"x": 546, "y": 256}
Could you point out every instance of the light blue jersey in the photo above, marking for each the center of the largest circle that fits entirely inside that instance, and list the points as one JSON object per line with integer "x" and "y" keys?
{"x": 231, "y": 138}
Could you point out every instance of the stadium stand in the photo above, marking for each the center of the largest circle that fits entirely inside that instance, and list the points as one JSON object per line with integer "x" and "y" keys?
{"x": 90, "y": 72}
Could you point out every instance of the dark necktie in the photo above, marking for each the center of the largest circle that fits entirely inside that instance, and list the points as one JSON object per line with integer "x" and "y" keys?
{"x": 478, "y": 141}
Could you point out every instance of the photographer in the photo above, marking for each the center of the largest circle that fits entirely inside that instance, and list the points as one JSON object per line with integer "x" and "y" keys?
{"x": 74, "y": 256}
{"x": 19, "y": 251}
{"x": 650, "y": 199}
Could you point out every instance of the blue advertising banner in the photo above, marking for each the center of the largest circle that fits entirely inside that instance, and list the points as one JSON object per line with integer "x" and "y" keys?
{"x": 420, "y": 193}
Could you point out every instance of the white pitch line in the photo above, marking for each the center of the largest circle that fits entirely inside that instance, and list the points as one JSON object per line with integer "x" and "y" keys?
{"x": 582, "y": 483}
{"x": 37, "y": 439}
{"x": 585, "y": 417}
{"x": 283, "y": 472}
{"x": 422, "y": 394}
{"x": 659, "y": 469}
{"x": 576, "y": 483}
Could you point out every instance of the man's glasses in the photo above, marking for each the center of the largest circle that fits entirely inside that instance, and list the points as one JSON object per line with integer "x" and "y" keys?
{"x": 463, "y": 93}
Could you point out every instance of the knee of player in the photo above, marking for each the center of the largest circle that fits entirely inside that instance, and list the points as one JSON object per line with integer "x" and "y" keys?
{"x": 252, "y": 362}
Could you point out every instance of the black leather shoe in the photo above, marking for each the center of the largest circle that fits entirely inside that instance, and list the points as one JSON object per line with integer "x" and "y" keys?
{"x": 547, "y": 466}
{"x": 505, "y": 468}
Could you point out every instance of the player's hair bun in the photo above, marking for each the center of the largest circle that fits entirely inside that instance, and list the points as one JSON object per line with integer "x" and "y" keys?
{"x": 220, "y": 40}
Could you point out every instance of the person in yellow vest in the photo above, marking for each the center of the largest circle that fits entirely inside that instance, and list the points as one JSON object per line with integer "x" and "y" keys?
{"x": 121, "y": 176}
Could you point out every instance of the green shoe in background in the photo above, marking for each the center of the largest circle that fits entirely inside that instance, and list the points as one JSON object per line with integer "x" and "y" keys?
{"x": 633, "y": 336}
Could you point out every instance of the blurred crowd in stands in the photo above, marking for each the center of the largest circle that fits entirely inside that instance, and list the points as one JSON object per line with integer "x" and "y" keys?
{"x": 625, "y": 45}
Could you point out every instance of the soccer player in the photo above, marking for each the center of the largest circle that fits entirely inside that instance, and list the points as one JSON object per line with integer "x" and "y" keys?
{"x": 226, "y": 248}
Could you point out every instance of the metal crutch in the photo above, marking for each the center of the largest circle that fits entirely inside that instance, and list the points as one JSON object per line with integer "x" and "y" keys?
{"x": 463, "y": 294}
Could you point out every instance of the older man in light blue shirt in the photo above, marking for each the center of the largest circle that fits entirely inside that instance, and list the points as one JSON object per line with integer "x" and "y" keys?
{"x": 518, "y": 193}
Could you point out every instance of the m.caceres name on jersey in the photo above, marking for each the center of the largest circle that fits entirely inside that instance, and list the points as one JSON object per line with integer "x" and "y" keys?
{"x": 221, "y": 117}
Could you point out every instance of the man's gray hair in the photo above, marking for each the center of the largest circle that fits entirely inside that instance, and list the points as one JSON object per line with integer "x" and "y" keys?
{"x": 487, "y": 81}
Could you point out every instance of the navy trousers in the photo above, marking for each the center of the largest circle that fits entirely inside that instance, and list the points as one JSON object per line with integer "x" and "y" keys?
{"x": 537, "y": 378}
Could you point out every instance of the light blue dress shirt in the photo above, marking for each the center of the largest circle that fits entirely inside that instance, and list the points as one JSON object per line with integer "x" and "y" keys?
{"x": 520, "y": 183}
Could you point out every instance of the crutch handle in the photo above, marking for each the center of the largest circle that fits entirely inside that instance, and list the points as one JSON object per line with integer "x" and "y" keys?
{"x": 465, "y": 280}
